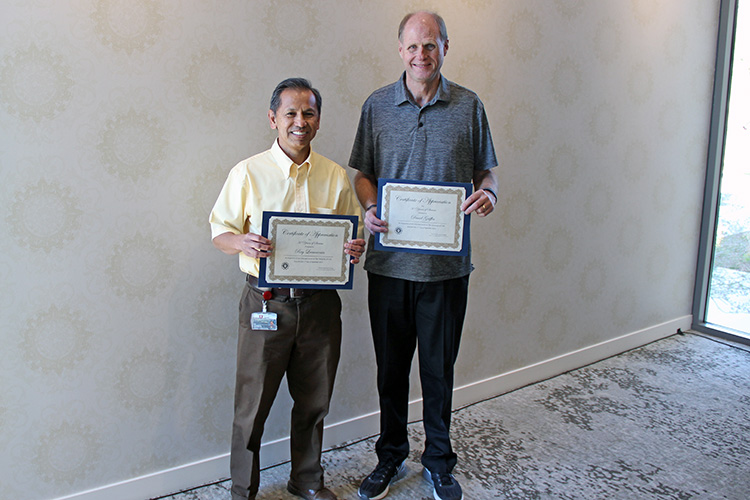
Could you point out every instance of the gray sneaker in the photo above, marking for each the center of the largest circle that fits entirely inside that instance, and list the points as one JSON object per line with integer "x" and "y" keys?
{"x": 444, "y": 485}
{"x": 376, "y": 485}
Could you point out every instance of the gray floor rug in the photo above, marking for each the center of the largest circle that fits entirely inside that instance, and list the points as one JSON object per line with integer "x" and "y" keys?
{"x": 670, "y": 420}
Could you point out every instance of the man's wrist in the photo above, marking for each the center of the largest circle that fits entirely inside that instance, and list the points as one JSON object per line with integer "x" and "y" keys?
{"x": 374, "y": 205}
{"x": 494, "y": 195}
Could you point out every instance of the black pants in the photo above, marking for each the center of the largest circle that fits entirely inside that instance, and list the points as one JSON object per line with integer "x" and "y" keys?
{"x": 405, "y": 315}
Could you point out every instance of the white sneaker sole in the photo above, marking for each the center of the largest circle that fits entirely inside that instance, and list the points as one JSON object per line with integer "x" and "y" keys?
{"x": 428, "y": 477}
{"x": 401, "y": 471}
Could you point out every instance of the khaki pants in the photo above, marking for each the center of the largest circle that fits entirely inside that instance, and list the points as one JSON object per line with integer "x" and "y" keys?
{"x": 306, "y": 347}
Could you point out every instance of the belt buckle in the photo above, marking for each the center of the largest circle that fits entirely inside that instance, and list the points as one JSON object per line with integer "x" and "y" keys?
{"x": 295, "y": 293}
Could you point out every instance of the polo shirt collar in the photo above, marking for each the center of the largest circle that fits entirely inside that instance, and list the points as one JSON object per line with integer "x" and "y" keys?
{"x": 402, "y": 93}
{"x": 283, "y": 161}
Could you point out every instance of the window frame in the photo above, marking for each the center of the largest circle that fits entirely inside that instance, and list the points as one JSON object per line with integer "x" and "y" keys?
{"x": 715, "y": 157}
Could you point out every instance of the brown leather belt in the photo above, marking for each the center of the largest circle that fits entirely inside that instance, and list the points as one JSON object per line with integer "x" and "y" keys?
{"x": 294, "y": 293}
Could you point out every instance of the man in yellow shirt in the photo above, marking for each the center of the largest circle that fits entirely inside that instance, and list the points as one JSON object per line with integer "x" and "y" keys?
{"x": 289, "y": 177}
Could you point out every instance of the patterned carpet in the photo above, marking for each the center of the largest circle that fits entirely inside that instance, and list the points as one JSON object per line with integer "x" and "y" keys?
{"x": 670, "y": 420}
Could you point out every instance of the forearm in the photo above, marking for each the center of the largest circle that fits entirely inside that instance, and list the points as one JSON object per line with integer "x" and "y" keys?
{"x": 484, "y": 198}
{"x": 366, "y": 187}
{"x": 486, "y": 179}
{"x": 228, "y": 243}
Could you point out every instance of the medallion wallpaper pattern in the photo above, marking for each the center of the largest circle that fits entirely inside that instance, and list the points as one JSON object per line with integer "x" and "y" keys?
{"x": 120, "y": 119}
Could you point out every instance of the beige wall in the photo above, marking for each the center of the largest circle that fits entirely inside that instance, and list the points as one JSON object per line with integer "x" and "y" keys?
{"x": 120, "y": 120}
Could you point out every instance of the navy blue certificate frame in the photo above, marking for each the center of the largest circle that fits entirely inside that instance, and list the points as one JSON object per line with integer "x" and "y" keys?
{"x": 301, "y": 221}
{"x": 460, "y": 245}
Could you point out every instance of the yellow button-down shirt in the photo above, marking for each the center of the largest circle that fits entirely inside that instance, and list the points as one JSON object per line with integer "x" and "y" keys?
{"x": 272, "y": 182}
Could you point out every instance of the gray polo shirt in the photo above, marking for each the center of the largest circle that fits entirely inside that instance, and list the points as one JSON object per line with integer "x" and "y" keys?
{"x": 445, "y": 141}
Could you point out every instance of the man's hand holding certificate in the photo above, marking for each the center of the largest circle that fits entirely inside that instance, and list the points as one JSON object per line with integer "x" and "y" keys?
{"x": 423, "y": 217}
{"x": 309, "y": 250}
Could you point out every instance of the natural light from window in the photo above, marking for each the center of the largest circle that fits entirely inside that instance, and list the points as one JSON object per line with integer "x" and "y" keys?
{"x": 729, "y": 289}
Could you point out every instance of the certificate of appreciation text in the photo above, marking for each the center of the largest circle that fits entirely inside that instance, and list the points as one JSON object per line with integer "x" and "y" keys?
{"x": 308, "y": 250}
{"x": 423, "y": 217}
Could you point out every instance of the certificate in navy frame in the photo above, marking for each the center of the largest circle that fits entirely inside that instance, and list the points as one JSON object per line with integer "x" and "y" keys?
{"x": 305, "y": 222}
{"x": 425, "y": 247}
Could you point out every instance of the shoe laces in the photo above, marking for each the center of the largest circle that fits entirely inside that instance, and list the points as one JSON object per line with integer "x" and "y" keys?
{"x": 386, "y": 468}
{"x": 445, "y": 479}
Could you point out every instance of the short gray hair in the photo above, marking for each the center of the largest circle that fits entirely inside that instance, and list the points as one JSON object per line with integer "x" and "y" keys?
{"x": 439, "y": 20}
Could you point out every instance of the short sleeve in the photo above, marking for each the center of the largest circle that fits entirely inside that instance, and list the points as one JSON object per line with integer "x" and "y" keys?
{"x": 228, "y": 213}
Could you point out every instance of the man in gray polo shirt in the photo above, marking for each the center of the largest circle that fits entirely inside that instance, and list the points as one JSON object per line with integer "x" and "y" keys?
{"x": 424, "y": 128}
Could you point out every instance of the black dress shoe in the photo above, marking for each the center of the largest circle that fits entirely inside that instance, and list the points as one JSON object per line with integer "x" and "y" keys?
{"x": 321, "y": 494}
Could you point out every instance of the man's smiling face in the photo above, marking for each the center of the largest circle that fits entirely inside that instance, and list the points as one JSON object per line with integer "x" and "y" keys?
{"x": 297, "y": 120}
{"x": 421, "y": 49}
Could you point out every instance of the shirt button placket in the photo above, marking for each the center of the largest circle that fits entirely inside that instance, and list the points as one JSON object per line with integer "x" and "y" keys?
{"x": 299, "y": 190}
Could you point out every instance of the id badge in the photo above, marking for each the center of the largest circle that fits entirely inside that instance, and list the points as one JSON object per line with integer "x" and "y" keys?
{"x": 263, "y": 321}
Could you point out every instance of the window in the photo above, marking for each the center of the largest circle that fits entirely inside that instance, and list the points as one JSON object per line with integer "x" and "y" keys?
{"x": 722, "y": 298}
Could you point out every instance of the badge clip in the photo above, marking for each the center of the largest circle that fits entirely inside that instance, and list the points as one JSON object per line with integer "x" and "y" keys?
{"x": 264, "y": 320}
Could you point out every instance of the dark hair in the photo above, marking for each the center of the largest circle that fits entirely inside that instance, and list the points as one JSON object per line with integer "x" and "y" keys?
{"x": 439, "y": 20}
{"x": 294, "y": 83}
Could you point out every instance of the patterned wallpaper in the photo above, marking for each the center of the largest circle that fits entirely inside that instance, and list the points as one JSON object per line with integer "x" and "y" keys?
{"x": 121, "y": 118}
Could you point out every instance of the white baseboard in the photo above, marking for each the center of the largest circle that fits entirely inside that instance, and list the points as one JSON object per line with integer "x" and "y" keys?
{"x": 216, "y": 468}
{"x": 505, "y": 382}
